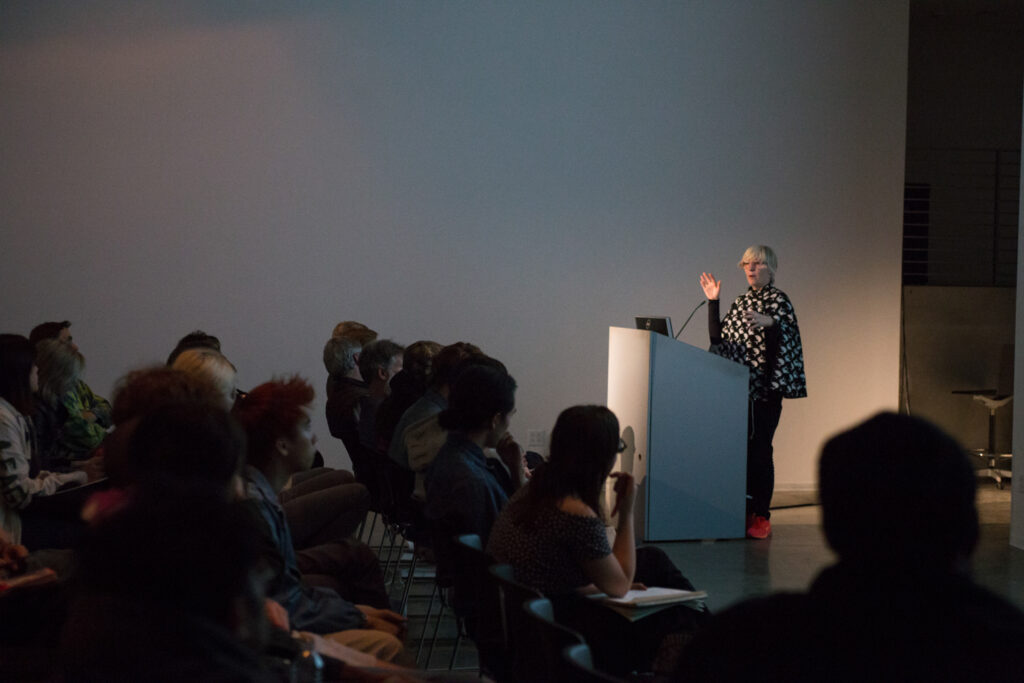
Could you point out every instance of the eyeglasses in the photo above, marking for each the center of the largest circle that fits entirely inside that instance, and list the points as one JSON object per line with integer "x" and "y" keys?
{"x": 622, "y": 447}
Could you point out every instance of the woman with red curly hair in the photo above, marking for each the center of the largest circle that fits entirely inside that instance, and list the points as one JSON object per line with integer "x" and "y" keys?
{"x": 319, "y": 585}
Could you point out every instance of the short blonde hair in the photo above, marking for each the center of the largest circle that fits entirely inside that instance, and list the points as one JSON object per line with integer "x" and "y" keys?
{"x": 211, "y": 365}
{"x": 760, "y": 252}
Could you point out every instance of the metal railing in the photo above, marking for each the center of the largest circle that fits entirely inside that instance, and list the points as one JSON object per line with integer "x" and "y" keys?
{"x": 960, "y": 214}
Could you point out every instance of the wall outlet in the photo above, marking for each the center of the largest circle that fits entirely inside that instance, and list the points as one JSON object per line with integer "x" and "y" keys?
{"x": 537, "y": 440}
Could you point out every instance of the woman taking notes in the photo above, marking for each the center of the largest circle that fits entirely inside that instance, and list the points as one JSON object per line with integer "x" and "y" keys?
{"x": 553, "y": 534}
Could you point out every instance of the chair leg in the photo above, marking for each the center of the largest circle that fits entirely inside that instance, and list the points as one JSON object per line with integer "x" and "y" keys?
{"x": 426, "y": 623}
{"x": 437, "y": 626}
{"x": 458, "y": 641}
{"x": 403, "y": 606}
{"x": 373, "y": 524}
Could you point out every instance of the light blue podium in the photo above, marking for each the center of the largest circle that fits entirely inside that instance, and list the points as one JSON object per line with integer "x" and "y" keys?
{"x": 683, "y": 416}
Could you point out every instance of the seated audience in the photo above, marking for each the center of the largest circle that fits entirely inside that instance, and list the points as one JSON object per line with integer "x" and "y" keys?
{"x": 465, "y": 489}
{"x": 61, "y": 435}
{"x": 345, "y": 390}
{"x": 21, "y": 481}
{"x": 213, "y": 366}
{"x": 379, "y": 362}
{"x": 193, "y": 340}
{"x": 145, "y": 391}
{"x": 406, "y": 388}
{"x": 169, "y": 592}
{"x": 897, "y": 499}
{"x": 322, "y": 505}
{"x": 339, "y": 365}
{"x": 418, "y": 437}
{"x": 553, "y": 534}
{"x": 86, "y": 416}
{"x": 277, "y": 420}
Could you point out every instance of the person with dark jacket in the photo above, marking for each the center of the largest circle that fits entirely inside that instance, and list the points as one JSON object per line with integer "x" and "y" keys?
{"x": 897, "y": 498}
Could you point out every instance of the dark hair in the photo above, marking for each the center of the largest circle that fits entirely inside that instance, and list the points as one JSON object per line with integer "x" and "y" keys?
{"x": 897, "y": 491}
{"x": 584, "y": 443}
{"x": 271, "y": 411}
{"x": 149, "y": 552}
{"x": 449, "y": 359}
{"x": 151, "y": 389}
{"x": 377, "y": 355}
{"x": 190, "y": 450}
{"x": 49, "y": 330}
{"x": 16, "y": 359}
{"x": 193, "y": 340}
{"x": 479, "y": 392}
{"x": 406, "y": 387}
{"x": 418, "y": 361}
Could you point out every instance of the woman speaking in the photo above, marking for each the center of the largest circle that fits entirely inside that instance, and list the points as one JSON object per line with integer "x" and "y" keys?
{"x": 761, "y": 332}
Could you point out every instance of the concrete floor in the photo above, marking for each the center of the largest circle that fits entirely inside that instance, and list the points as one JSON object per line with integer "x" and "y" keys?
{"x": 733, "y": 570}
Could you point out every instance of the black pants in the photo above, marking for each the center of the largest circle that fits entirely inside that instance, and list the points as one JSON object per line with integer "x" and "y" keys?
{"x": 763, "y": 419}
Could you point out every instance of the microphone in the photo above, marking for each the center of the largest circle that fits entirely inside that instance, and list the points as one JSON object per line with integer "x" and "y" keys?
{"x": 702, "y": 302}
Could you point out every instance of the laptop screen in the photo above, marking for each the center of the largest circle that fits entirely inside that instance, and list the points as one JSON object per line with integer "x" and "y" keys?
{"x": 661, "y": 325}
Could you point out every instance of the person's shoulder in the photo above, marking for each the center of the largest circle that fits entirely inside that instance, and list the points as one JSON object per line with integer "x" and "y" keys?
{"x": 571, "y": 505}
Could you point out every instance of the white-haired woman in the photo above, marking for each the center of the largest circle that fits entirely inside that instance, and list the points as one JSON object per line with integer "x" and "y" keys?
{"x": 761, "y": 332}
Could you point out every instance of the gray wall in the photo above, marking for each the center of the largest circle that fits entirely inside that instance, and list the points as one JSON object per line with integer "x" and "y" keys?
{"x": 521, "y": 175}
{"x": 957, "y": 339}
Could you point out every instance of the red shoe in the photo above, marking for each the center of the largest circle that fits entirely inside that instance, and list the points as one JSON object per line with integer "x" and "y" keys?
{"x": 760, "y": 527}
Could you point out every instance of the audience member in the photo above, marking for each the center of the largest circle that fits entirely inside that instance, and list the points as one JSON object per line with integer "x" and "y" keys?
{"x": 465, "y": 489}
{"x": 20, "y": 481}
{"x": 213, "y": 366}
{"x": 379, "y": 362}
{"x": 418, "y": 437}
{"x": 406, "y": 388}
{"x": 193, "y": 340}
{"x": 345, "y": 390}
{"x": 145, "y": 391}
{"x": 356, "y": 331}
{"x": 553, "y": 534}
{"x": 343, "y": 361}
{"x": 86, "y": 416}
{"x": 169, "y": 592}
{"x": 897, "y": 498}
{"x": 52, "y": 330}
{"x": 277, "y": 420}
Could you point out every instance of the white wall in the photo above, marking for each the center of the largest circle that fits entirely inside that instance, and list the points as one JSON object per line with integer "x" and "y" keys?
{"x": 521, "y": 175}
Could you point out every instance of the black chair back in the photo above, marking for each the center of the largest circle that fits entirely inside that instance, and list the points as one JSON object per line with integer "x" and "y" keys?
{"x": 512, "y": 596}
{"x": 578, "y": 666}
{"x": 543, "y": 642}
{"x": 474, "y": 582}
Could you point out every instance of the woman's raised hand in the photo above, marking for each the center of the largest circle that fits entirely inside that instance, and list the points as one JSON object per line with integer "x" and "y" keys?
{"x": 625, "y": 492}
{"x": 710, "y": 285}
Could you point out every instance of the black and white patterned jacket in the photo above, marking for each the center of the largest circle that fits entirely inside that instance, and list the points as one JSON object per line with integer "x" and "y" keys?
{"x": 774, "y": 355}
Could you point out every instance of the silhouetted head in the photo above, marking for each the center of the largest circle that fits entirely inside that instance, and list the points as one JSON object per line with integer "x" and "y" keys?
{"x": 51, "y": 330}
{"x": 897, "y": 491}
{"x": 482, "y": 399}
